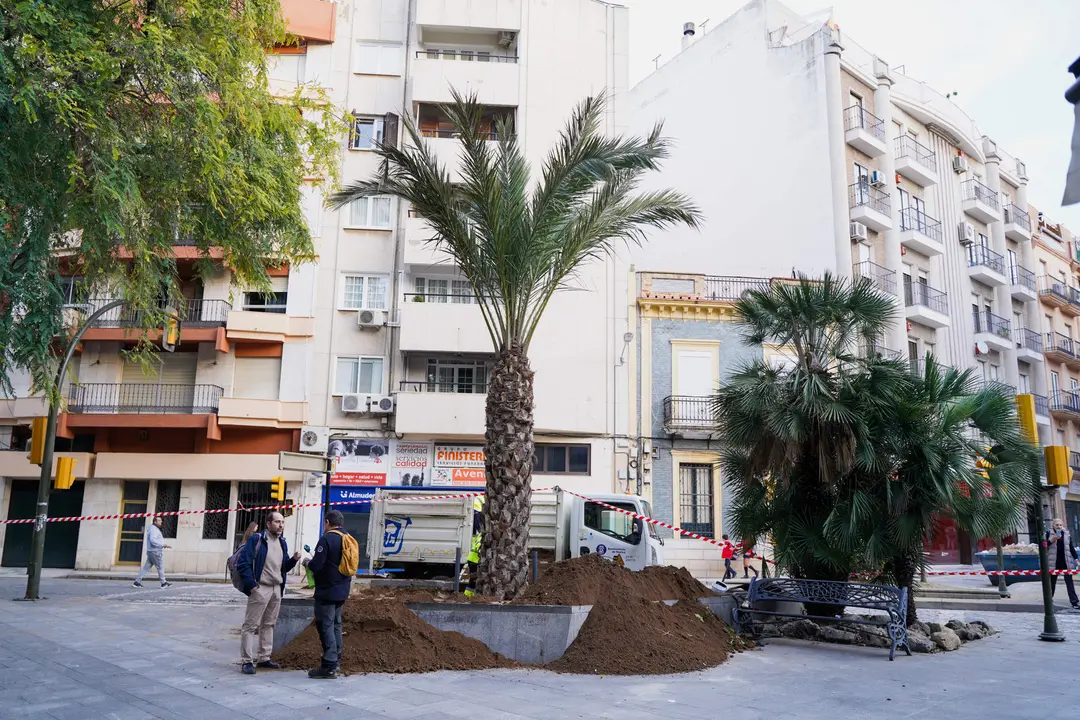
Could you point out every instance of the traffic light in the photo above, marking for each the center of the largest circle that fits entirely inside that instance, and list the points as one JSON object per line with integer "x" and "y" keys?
{"x": 1025, "y": 413}
{"x": 1058, "y": 471}
{"x": 37, "y": 440}
{"x": 170, "y": 332}
{"x": 65, "y": 473}
{"x": 277, "y": 490}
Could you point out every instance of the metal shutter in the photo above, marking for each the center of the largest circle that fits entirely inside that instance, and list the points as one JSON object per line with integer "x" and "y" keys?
{"x": 257, "y": 378}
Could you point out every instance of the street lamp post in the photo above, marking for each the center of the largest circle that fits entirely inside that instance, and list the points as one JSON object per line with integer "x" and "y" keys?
{"x": 37, "y": 549}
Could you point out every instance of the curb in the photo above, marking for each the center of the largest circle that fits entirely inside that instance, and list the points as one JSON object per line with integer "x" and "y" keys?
{"x": 172, "y": 579}
{"x": 985, "y": 606}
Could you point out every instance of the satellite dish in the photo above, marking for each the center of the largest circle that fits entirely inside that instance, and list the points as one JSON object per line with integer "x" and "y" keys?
{"x": 982, "y": 348}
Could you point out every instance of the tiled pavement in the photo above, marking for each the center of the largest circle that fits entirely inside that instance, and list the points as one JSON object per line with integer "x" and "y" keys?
{"x": 101, "y": 649}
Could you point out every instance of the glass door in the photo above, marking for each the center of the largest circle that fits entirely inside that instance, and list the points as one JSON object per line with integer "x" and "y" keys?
{"x": 134, "y": 499}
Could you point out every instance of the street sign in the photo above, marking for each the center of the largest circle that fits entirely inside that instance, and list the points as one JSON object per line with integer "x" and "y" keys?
{"x": 302, "y": 462}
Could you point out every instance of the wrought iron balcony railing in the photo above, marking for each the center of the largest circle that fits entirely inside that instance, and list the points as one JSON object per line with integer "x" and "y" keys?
{"x": 193, "y": 313}
{"x": 1065, "y": 401}
{"x": 982, "y": 255}
{"x": 917, "y": 220}
{"x": 907, "y": 146}
{"x": 988, "y": 322}
{"x": 882, "y": 277}
{"x": 1028, "y": 339}
{"x": 862, "y": 193}
{"x": 1017, "y": 216}
{"x": 688, "y": 412}
{"x": 1056, "y": 342}
{"x": 975, "y": 190}
{"x": 1042, "y": 405}
{"x": 143, "y": 399}
{"x": 926, "y": 296}
{"x": 458, "y": 387}
{"x": 856, "y": 117}
{"x": 1022, "y": 276}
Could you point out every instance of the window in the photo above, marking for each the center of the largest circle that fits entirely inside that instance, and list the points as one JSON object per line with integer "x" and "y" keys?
{"x": 359, "y": 375}
{"x": 370, "y": 212}
{"x": 561, "y": 459}
{"x": 376, "y": 59}
{"x": 364, "y": 292}
{"x": 457, "y": 376}
{"x": 72, "y": 289}
{"x": 271, "y": 302}
{"x": 216, "y": 525}
{"x": 168, "y": 500}
{"x": 696, "y": 499}
{"x": 1024, "y": 386}
{"x": 442, "y": 290}
{"x": 1055, "y": 383}
{"x": 613, "y": 523}
{"x": 366, "y": 133}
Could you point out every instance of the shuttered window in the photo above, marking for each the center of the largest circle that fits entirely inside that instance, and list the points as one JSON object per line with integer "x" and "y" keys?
{"x": 172, "y": 369}
{"x": 257, "y": 378}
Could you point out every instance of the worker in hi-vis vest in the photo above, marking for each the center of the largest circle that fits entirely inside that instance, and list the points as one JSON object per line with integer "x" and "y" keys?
{"x": 477, "y": 537}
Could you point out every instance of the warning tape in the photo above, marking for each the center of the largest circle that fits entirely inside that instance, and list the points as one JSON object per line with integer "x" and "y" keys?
{"x": 995, "y": 573}
{"x": 171, "y": 513}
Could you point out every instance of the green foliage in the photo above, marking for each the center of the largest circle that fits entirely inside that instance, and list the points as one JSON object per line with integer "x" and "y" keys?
{"x": 131, "y": 124}
{"x": 519, "y": 246}
{"x": 849, "y": 461}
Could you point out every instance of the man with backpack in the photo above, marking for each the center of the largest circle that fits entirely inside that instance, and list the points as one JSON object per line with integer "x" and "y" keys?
{"x": 334, "y": 564}
{"x": 262, "y": 565}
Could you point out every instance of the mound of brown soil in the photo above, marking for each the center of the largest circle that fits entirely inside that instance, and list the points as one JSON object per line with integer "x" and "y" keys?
{"x": 588, "y": 579}
{"x": 382, "y": 635}
{"x": 633, "y": 636}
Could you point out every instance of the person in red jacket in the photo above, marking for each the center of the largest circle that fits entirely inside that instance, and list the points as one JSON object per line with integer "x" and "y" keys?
{"x": 727, "y": 552}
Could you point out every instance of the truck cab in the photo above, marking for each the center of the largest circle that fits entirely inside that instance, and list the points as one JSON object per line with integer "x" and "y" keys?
{"x": 596, "y": 529}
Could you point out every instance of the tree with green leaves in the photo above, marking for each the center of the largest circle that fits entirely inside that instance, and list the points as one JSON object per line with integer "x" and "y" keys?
{"x": 131, "y": 124}
{"x": 849, "y": 460}
{"x": 519, "y": 240}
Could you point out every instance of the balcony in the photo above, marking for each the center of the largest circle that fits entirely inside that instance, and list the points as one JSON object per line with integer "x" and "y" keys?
{"x": 878, "y": 352}
{"x": 419, "y": 250}
{"x": 423, "y": 410}
{"x": 1029, "y": 345}
{"x": 267, "y": 327}
{"x": 926, "y": 305}
{"x": 252, "y": 412}
{"x": 200, "y": 320}
{"x": 493, "y": 77}
{"x": 986, "y": 266}
{"x": 443, "y": 323}
{"x": 1074, "y": 461}
{"x": 1065, "y": 405}
{"x": 688, "y": 415}
{"x": 869, "y": 206}
{"x": 143, "y": 399}
{"x": 993, "y": 330}
{"x": 864, "y": 131}
{"x": 501, "y": 15}
{"x": 883, "y": 278}
{"x": 1055, "y": 292}
{"x": 310, "y": 19}
{"x": 1061, "y": 348}
{"x": 920, "y": 232}
{"x": 1023, "y": 284}
{"x": 1017, "y": 224}
{"x": 442, "y": 136}
{"x": 1042, "y": 409}
{"x": 980, "y": 202}
{"x": 915, "y": 161}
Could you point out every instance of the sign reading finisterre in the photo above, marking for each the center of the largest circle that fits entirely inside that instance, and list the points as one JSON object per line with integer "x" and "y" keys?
{"x": 459, "y": 456}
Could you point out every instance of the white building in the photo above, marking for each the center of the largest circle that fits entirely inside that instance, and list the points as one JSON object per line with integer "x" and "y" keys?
{"x": 809, "y": 153}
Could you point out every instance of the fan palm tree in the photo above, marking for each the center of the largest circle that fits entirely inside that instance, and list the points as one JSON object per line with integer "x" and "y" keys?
{"x": 518, "y": 240}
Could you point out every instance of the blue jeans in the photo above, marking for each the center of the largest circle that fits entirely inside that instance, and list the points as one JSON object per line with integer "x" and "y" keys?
{"x": 728, "y": 572}
{"x": 328, "y": 623}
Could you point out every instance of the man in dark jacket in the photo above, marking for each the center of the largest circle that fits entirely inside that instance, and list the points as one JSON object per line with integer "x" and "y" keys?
{"x": 262, "y": 566}
{"x": 331, "y": 592}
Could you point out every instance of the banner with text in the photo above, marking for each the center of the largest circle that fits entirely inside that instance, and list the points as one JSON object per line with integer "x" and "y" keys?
{"x": 459, "y": 465}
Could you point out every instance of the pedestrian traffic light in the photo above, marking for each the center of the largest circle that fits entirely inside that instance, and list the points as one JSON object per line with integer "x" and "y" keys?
{"x": 38, "y": 427}
{"x": 65, "y": 473}
{"x": 170, "y": 333}
{"x": 277, "y": 490}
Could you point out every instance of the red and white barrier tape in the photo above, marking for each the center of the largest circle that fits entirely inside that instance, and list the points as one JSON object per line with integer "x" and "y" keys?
{"x": 1000, "y": 572}
{"x": 128, "y": 516}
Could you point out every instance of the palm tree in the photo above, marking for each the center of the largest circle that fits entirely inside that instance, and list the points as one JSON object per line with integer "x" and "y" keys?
{"x": 518, "y": 240}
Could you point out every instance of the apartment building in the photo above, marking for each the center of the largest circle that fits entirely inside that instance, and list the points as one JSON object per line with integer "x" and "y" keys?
{"x": 809, "y": 153}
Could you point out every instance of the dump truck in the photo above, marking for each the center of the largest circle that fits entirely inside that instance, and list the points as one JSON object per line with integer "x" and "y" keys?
{"x": 428, "y": 538}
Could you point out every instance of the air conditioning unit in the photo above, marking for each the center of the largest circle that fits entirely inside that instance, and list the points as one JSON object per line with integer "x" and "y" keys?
{"x": 314, "y": 439}
{"x": 380, "y": 404}
{"x": 506, "y": 38}
{"x": 354, "y": 403}
{"x": 859, "y": 232}
{"x": 370, "y": 319}
{"x": 877, "y": 179}
{"x": 966, "y": 231}
{"x": 960, "y": 164}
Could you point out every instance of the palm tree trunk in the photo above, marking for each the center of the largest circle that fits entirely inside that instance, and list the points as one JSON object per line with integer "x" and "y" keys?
{"x": 509, "y": 458}
{"x": 904, "y": 567}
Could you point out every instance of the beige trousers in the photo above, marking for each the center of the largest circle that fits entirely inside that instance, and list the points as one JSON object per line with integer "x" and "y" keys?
{"x": 257, "y": 632}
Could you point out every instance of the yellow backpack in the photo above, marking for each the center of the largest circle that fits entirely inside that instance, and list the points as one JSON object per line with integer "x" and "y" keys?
{"x": 350, "y": 554}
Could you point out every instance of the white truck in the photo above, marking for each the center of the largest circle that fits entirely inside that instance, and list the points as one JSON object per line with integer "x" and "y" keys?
{"x": 425, "y": 538}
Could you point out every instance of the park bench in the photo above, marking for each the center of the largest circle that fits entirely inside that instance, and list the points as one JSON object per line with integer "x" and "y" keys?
{"x": 884, "y": 598}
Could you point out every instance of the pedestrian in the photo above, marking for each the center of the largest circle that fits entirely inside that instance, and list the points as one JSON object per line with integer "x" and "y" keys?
{"x": 263, "y": 565}
{"x": 333, "y": 566}
{"x": 1063, "y": 556}
{"x": 155, "y": 544}
{"x": 473, "y": 558}
{"x": 727, "y": 553}
{"x": 748, "y": 556}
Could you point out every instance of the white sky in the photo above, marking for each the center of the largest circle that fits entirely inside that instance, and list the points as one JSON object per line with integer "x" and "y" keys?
{"x": 1007, "y": 60}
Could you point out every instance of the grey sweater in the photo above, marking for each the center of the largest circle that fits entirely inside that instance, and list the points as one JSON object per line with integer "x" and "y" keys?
{"x": 155, "y": 541}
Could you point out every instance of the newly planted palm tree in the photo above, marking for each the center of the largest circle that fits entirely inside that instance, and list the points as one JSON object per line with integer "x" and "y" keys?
{"x": 518, "y": 240}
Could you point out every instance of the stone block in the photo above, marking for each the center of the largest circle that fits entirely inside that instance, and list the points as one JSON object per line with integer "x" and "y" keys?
{"x": 836, "y": 635}
{"x": 918, "y": 642}
{"x": 946, "y": 639}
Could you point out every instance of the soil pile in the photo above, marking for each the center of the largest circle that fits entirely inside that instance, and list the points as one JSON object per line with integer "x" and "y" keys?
{"x": 633, "y": 636}
{"x": 588, "y": 579}
{"x": 382, "y": 635}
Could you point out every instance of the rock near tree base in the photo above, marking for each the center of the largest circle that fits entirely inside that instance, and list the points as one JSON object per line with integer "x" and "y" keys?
{"x": 922, "y": 637}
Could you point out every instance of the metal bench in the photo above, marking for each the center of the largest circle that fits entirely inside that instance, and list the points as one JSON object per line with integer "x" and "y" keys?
{"x": 885, "y": 598}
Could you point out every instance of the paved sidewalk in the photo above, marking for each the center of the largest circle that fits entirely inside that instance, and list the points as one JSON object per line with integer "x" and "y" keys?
{"x": 100, "y": 649}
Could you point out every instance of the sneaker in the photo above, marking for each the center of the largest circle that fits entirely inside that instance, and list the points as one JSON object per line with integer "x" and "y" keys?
{"x": 269, "y": 664}
{"x": 136, "y": 584}
{"x": 322, "y": 673}
{"x": 165, "y": 584}
{"x": 248, "y": 669}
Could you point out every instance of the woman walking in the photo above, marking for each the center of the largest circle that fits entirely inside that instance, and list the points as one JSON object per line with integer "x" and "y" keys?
{"x": 748, "y": 556}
